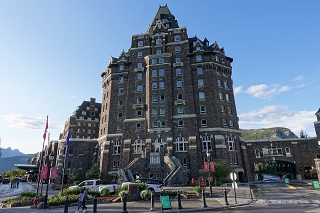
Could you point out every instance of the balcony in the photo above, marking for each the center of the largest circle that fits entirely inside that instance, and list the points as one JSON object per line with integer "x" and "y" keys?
{"x": 178, "y": 64}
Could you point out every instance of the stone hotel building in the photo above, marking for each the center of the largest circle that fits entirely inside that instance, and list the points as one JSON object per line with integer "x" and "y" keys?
{"x": 166, "y": 102}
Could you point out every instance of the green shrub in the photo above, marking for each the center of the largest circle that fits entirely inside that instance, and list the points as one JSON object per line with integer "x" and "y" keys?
{"x": 170, "y": 193}
{"x": 142, "y": 186}
{"x": 28, "y": 194}
{"x": 145, "y": 194}
{"x": 59, "y": 200}
{"x": 105, "y": 192}
{"x": 198, "y": 190}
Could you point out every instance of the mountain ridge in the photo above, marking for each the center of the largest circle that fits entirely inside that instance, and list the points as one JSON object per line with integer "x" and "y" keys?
{"x": 267, "y": 133}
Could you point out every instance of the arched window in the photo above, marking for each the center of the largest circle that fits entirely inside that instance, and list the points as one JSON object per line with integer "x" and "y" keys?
{"x": 157, "y": 144}
{"x": 206, "y": 143}
{"x": 138, "y": 146}
{"x": 181, "y": 144}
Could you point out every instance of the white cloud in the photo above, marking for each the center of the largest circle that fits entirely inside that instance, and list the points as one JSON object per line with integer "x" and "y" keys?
{"x": 279, "y": 116}
{"x": 298, "y": 78}
{"x": 27, "y": 122}
{"x": 237, "y": 90}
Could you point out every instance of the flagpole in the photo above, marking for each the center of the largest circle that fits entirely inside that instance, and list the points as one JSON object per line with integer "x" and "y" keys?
{"x": 41, "y": 156}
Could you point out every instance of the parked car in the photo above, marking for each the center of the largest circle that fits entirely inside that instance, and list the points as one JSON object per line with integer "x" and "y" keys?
{"x": 153, "y": 184}
{"x": 5, "y": 181}
{"x": 23, "y": 179}
{"x": 95, "y": 185}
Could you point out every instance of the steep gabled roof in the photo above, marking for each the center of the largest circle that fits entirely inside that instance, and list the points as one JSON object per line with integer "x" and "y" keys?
{"x": 318, "y": 111}
{"x": 163, "y": 14}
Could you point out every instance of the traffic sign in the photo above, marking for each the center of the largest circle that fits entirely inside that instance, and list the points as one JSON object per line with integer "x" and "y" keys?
{"x": 233, "y": 175}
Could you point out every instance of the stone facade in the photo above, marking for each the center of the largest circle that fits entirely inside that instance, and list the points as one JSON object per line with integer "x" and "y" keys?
{"x": 294, "y": 156}
{"x": 169, "y": 95}
{"x": 84, "y": 121}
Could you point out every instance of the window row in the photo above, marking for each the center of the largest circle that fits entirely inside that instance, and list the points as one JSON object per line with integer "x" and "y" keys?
{"x": 159, "y": 41}
{"x": 272, "y": 151}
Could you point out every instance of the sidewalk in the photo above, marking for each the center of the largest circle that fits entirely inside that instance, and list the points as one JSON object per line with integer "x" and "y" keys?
{"x": 188, "y": 205}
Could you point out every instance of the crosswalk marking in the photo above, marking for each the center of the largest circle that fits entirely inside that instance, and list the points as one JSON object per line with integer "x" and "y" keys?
{"x": 270, "y": 201}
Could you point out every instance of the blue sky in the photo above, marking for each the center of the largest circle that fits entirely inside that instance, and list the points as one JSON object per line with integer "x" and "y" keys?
{"x": 53, "y": 52}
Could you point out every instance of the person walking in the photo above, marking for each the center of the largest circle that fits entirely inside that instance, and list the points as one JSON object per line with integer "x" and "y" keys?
{"x": 18, "y": 181}
{"x": 85, "y": 198}
{"x": 80, "y": 202}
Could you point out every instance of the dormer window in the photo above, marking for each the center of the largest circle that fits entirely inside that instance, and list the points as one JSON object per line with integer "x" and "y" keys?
{"x": 199, "y": 58}
{"x": 198, "y": 48}
{"x": 121, "y": 67}
{"x": 140, "y": 44}
{"x": 177, "y": 38}
{"x": 158, "y": 41}
{"x": 123, "y": 58}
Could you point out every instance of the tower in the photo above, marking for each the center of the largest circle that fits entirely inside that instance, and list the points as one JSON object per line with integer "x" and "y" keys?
{"x": 166, "y": 102}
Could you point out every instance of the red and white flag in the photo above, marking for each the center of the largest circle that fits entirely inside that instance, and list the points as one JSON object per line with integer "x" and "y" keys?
{"x": 205, "y": 166}
{"x": 45, "y": 130}
{"x": 211, "y": 166}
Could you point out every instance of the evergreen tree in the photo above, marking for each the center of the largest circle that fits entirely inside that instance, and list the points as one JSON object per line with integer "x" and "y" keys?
{"x": 93, "y": 172}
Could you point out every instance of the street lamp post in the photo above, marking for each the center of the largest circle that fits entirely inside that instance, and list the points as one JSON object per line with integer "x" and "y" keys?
{"x": 209, "y": 178}
{"x": 50, "y": 159}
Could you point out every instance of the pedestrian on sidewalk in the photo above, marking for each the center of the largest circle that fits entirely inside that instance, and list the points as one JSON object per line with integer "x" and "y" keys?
{"x": 18, "y": 181}
{"x": 85, "y": 198}
{"x": 80, "y": 202}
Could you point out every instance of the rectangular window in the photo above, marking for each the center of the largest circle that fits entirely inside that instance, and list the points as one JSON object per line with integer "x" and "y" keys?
{"x": 154, "y": 61}
{"x": 120, "y": 115}
{"x": 178, "y": 72}
{"x": 200, "y": 83}
{"x": 154, "y": 73}
{"x": 229, "y": 110}
{"x": 119, "y": 103}
{"x": 139, "y": 76}
{"x": 139, "y": 113}
{"x": 121, "y": 90}
{"x": 224, "y": 122}
{"x": 154, "y": 111}
{"x": 119, "y": 129}
{"x": 121, "y": 67}
{"x": 140, "y": 43}
{"x": 139, "y": 54}
{"x": 203, "y": 109}
{"x": 179, "y": 96}
{"x": 161, "y": 85}
{"x": 121, "y": 79}
{"x": 139, "y": 88}
{"x": 179, "y": 84}
{"x": 231, "y": 123}
{"x": 221, "y": 96}
{"x": 159, "y": 41}
{"x": 227, "y": 97}
{"x": 201, "y": 96}
{"x": 154, "y": 85}
{"x": 177, "y": 49}
{"x": 226, "y": 85}
{"x": 163, "y": 124}
{"x": 222, "y": 108}
{"x": 159, "y": 52}
{"x": 180, "y": 110}
{"x": 138, "y": 125}
{"x": 198, "y": 48}
{"x": 180, "y": 123}
{"x": 161, "y": 72}
{"x": 203, "y": 123}
{"x": 177, "y": 38}
{"x": 162, "y": 111}
{"x": 162, "y": 98}
{"x": 84, "y": 113}
{"x": 161, "y": 60}
{"x": 199, "y": 58}
{"x": 154, "y": 98}
{"x": 139, "y": 100}
{"x": 154, "y": 124}
{"x": 178, "y": 60}
{"x": 139, "y": 65}
{"x": 219, "y": 83}
{"x": 199, "y": 71}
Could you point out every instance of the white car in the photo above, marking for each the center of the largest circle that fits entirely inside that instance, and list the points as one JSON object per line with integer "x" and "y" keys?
{"x": 153, "y": 184}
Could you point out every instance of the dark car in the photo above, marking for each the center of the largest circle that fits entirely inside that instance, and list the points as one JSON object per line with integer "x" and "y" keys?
{"x": 5, "y": 180}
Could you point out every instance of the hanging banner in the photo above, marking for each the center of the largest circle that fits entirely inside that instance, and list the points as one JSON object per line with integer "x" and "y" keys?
{"x": 211, "y": 166}
{"x": 205, "y": 166}
{"x": 53, "y": 173}
{"x": 44, "y": 172}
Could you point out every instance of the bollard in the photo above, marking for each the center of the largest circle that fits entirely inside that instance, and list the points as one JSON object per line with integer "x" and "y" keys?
{"x": 179, "y": 201}
{"x": 66, "y": 205}
{"x": 152, "y": 201}
{"x": 204, "y": 199}
{"x": 124, "y": 209}
{"x": 225, "y": 197}
{"x": 95, "y": 204}
{"x": 251, "y": 194}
